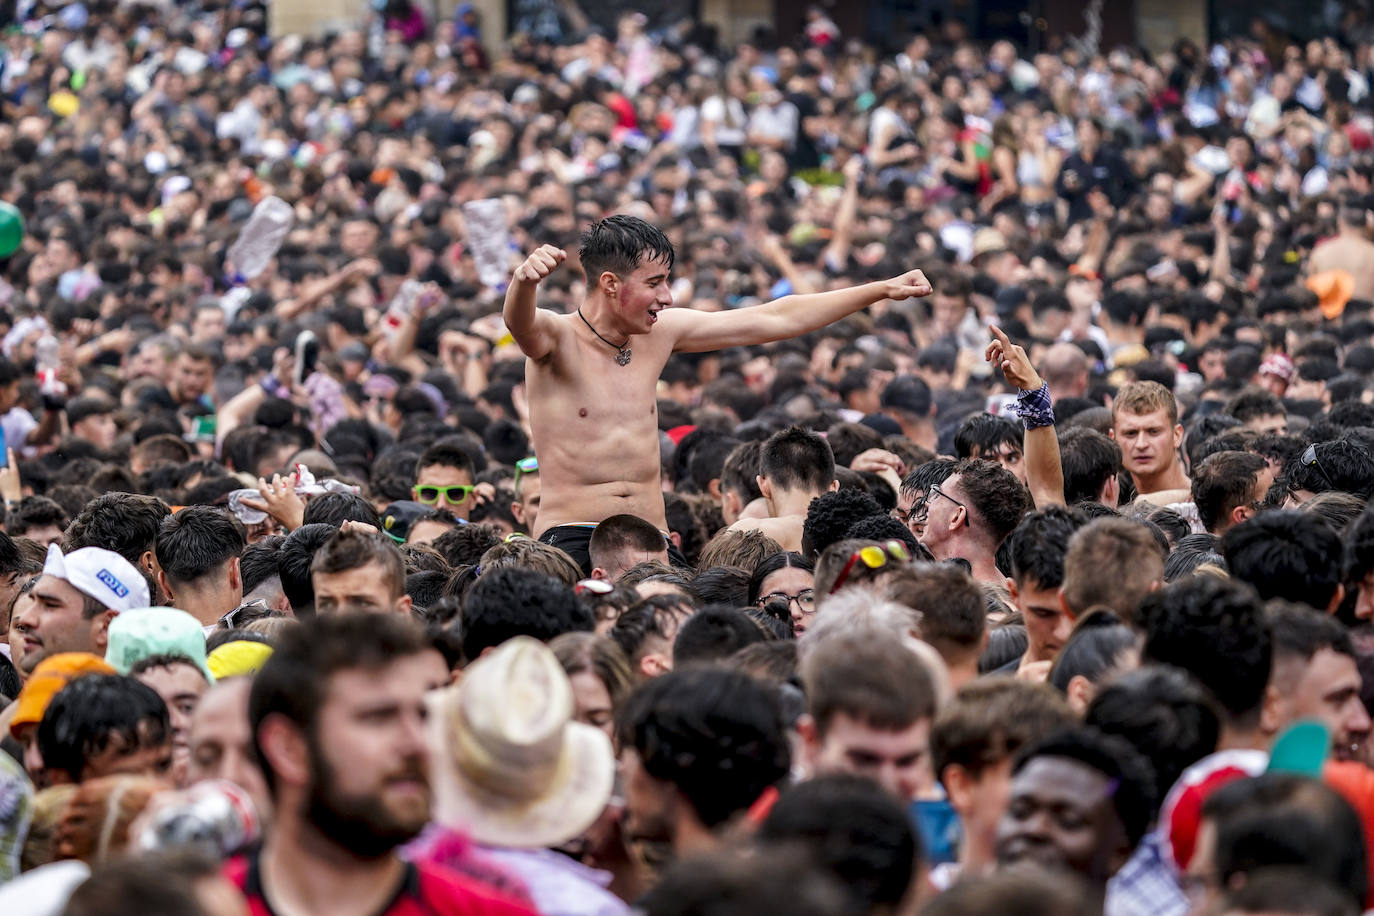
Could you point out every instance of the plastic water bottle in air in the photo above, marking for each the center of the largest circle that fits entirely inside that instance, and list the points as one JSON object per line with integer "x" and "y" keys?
{"x": 46, "y": 363}
{"x": 260, "y": 238}
{"x": 45, "y": 354}
{"x": 403, "y": 305}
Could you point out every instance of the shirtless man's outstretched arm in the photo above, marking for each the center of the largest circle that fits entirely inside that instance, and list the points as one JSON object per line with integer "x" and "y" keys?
{"x": 785, "y": 318}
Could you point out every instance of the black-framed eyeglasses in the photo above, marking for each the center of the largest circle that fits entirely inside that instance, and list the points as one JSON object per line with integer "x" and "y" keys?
{"x": 922, "y": 508}
{"x": 1309, "y": 459}
{"x": 805, "y": 600}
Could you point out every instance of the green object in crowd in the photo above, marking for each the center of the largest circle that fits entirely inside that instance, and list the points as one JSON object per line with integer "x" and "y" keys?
{"x": 1301, "y": 750}
{"x": 11, "y": 229}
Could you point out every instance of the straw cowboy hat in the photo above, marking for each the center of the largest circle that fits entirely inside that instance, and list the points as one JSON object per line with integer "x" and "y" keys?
{"x": 511, "y": 768}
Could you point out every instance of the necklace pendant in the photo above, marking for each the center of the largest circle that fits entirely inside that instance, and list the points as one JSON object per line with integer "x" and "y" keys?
{"x": 623, "y": 356}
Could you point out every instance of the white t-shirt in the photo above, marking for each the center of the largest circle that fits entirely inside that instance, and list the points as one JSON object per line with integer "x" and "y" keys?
{"x": 778, "y": 122}
{"x": 17, "y": 424}
{"x": 728, "y": 117}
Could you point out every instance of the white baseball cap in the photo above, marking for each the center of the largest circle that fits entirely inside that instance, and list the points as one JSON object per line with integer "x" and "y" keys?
{"x": 100, "y": 574}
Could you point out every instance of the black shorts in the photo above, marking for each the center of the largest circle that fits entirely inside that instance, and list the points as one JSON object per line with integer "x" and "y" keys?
{"x": 576, "y": 541}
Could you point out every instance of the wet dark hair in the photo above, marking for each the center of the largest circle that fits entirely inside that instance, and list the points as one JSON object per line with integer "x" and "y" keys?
{"x": 294, "y": 564}
{"x": 1088, "y": 459}
{"x": 90, "y": 711}
{"x": 924, "y": 476}
{"x": 260, "y": 562}
{"x": 1037, "y": 546}
{"x": 337, "y": 508}
{"x": 982, "y": 436}
{"x": 1286, "y": 554}
{"x": 619, "y": 244}
{"x": 1340, "y": 465}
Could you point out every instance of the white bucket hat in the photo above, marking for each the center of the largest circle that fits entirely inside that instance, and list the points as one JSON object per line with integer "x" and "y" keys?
{"x": 511, "y": 768}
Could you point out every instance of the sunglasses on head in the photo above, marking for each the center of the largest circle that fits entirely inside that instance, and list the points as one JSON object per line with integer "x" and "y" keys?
{"x": 1309, "y": 459}
{"x": 456, "y": 495}
{"x": 525, "y": 466}
{"x": 246, "y": 613}
{"x": 874, "y": 557}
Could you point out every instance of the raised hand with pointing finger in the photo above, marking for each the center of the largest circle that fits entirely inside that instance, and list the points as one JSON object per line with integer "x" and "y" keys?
{"x": 1044, "y": 473}
{"x": 1012, "y": 360}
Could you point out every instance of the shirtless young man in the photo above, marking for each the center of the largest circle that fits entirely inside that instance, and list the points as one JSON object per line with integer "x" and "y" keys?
{"x": 1350, "y": 251}
{"x": 592, "y": 376}
{"x": 795, "y": 466}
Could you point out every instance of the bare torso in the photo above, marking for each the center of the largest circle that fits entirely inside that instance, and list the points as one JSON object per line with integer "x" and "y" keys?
{"x": 1353, "y": 255}
{"x": 595, "y": 422}
{"x": 595, "y": 428}
{"x": 786, "y": 529}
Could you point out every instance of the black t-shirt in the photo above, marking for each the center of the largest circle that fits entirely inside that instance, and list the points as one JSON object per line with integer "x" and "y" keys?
{"x": 804, "y": 154}
{"x": 1107, "y": 173}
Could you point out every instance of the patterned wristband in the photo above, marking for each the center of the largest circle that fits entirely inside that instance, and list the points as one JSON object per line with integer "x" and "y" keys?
{"x": 1035, "y": 407}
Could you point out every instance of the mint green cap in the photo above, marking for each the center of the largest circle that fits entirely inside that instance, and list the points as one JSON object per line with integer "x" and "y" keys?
{"x": 143, "y": 632}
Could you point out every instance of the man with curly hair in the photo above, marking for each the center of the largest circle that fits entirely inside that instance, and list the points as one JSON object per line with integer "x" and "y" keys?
{"x": 970, "y": 514}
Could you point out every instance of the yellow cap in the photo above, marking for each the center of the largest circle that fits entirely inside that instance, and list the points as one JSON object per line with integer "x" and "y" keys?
{"x": 237, "y": 658}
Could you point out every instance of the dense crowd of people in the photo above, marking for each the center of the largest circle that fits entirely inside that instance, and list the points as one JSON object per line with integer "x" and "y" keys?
{"x": 601, "y": 471}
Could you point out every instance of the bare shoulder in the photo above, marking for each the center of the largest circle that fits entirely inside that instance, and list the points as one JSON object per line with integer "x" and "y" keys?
{"x": 557, "y": 328}
{"x": 675, "y": 321}
{"x": 749, "y": 524}
{"x": 776, "y": 527}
